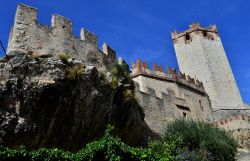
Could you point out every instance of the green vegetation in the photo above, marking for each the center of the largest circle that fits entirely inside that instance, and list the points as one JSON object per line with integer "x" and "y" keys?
{"x": 183, "y": 140}
{"x": 120, "y": 74}
{"x": 198, "y": 140}
{"x": 107, "y": 148}
{"x": 113, "y": 149}
{"x": 75, "y": 71}
{"x": 64, "y": 57}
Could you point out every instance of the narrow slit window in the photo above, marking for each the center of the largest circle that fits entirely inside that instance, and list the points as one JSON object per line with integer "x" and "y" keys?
{"x": 184, "y": 114}
{"x": 201, "y": 105}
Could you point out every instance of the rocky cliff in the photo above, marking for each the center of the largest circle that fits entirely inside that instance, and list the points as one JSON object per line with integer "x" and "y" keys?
{"x": 50, "y": 102}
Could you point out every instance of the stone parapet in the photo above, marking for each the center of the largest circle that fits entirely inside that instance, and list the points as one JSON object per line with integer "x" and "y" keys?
{"x": 141, "y": 68}
{"x": 28, "y": 35}
{"x": 196, "y": 28}
{"x": 61, "y": 23}
{"x": 231, "y": 119}
{"x": 89, "y": 37}
{"x": 106, "y": 49}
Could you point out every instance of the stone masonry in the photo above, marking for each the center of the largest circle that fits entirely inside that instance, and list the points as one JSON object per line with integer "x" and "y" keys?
{"x": 28, "y": 36}
{"x": 166, "y": 96}
{"x": 200, "y": 53}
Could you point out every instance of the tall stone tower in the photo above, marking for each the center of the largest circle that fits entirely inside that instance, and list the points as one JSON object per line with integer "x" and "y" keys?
{"x": 200, "y": 53}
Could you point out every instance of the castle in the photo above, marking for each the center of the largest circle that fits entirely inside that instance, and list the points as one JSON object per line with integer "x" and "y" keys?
{"x": 206, "y": 90}
{"x": 203, "y": 89}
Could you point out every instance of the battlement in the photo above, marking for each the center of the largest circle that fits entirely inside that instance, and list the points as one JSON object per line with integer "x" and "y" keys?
{"x": 207, "y": 32}
{"x": 61, "y": 23}
{"x": 89, "y": 37}
{"x": 108, "y": 51}
{"x": 141, "y": 68}
{"x": 24, "y": 11}
{"x": 231, "y": 119}
{"x": 235, "y": 122}
{"x": 28, "y": 36}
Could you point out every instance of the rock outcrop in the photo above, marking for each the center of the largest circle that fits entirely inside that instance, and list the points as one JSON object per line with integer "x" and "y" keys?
{"x": 43, "y": 105}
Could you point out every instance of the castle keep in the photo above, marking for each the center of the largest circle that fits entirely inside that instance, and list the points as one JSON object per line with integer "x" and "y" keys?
{"x": 203, "y": 89}
{"x": 200, "y": 53}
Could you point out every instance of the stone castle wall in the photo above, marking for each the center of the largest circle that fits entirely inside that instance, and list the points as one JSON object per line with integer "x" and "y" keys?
{"x": 239, "y": 126}
{"x": 200, "y": 53}
{"x": 166, "y": 96}
{"x": 234, "y": 122}
{"x": 28, "y": 36}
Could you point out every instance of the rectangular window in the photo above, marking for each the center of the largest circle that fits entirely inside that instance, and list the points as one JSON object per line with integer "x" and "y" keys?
{"x": 184, "y": 115}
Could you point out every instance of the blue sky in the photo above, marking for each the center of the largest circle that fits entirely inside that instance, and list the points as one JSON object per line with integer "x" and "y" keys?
{"x": 141, "y": 28}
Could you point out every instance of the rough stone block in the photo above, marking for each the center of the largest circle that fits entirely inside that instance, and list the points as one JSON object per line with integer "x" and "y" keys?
{"x": 108, "y": 51}
{"x": 89, "y": 37}
{"x": 61, "y": 23}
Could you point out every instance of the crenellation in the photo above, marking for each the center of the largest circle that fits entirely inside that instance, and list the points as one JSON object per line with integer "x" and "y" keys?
{"x": 61, "y": 23}
{"x": 106, "y": 49}
{"x": 145, "y": 65}
{"x": 233, "y": 122}
{"x": 181, "y": 75}
{"x": 139, "y": 68}
{"x": 25, "y": 18}
{"x": 189, "y": 79}
{"x": 195, "y": 25}
{"x": 89, "y": 37}
{"x": 157, "y": 68}
{"x": 172, "y": 72}
{"x": 28, "y": 36}
{"x": 195, "y": 29}
{"x": 25, "y": 14}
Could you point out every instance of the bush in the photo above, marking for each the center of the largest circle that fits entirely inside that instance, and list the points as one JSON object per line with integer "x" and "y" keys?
{"x": 120, "y": 74}
{"x": 121, "y": 77}
{"x": 107, "y": 148}
{"x": 128, "y": 94}
{"x": 165, "y": 150}
{"x": 200, "y": 140}
{"x": 113, "y": 149}
{"x": 64, "y": 57}
{"x": 183, "y": 140}
{"x": 75, "y": 71}
{"x": 7, "y": 154}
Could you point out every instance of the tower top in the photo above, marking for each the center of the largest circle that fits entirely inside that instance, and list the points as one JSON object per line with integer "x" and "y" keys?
{"x": 194, "y": 27}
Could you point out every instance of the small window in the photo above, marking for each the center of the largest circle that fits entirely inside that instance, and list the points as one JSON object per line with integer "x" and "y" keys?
{"x": 187, "y": 37}
{"x": 183, "y": 108}
{"x": 201, "y": 105}
{"x": 204, "y": 33}
{"x": 184, "y": 114}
